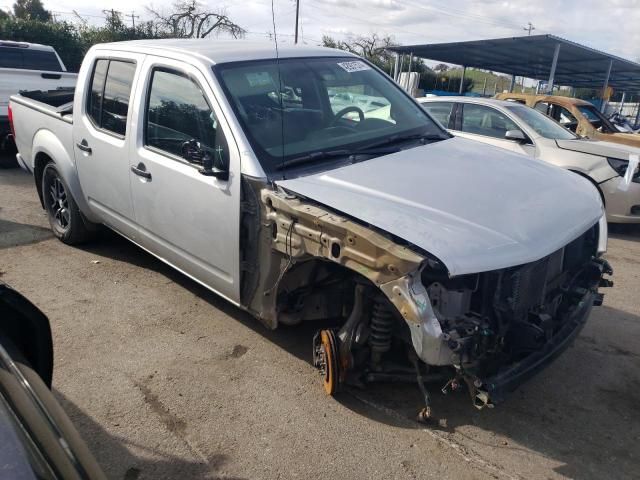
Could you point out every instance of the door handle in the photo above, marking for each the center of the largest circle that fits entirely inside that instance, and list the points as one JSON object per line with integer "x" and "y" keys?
{"x": 141, "y": 171}
{"x": 84, "y": 146}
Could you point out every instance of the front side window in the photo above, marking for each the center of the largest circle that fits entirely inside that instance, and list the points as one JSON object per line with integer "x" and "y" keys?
{"x": 308, "y": 107}
{"x": 486, "y": 121}
{"x": 178, "y": 115}
{"x": 543, "y": 125}
{"x": 565, "y": 117}
{"x": 441, "y": 111}
{"x": 109, "y": 95}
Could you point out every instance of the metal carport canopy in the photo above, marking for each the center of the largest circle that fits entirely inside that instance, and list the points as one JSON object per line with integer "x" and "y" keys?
{"x": 532, "y": 57}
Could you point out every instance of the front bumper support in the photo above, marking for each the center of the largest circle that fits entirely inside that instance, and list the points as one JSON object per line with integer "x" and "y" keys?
{"x": 498, "y": 386}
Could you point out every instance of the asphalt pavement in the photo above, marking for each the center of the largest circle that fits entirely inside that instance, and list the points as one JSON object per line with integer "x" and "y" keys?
{"x": 164, "y": 379}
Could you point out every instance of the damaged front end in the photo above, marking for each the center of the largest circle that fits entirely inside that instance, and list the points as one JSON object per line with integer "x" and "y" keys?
{"x": 396, "y": 313}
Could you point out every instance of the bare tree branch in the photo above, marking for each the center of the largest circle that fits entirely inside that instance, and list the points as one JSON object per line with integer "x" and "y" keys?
{"x": 189, "y": 19}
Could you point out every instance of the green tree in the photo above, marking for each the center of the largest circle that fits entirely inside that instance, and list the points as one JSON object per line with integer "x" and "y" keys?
{"x": 31, "y": 10}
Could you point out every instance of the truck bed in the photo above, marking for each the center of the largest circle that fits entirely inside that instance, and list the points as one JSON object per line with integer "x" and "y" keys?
{"x": 43, "y": 113}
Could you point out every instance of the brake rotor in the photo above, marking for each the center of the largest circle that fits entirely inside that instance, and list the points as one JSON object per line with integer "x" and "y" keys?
{"x": 330, "y": 361}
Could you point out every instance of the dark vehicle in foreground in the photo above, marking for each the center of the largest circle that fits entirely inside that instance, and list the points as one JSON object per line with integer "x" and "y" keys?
{"x": 305, "y": 185}
{"x": 37, "y": 439}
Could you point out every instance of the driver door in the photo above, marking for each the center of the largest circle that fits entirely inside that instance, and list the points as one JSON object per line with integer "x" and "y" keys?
{"x": 185, "y": 217}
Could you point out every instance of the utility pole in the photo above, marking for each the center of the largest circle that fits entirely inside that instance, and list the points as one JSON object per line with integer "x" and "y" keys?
{"x": 529, "y": 27}
{"x": 297, "y": 16}
{"x": 133, "y": 19}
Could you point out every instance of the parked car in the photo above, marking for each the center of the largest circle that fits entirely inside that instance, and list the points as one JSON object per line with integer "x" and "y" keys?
{"x": 227, "y": 161}
{"x": 521, "y": 129}
{"x": 577, "y": 115}
{"x": 37, "y": 438}
{"x": 26, "y": 66}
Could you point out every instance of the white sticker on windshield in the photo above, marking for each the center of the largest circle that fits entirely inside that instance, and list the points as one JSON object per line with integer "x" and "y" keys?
{"x": 259, "y": 79}
{"x": 355, "y": 66}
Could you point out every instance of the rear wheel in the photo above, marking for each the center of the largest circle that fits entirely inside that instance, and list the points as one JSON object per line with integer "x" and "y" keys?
{"x": 64, "y": 216}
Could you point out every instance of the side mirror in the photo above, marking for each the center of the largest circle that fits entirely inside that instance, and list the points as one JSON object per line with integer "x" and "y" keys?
{"x": 516, "y": 136}
{"x": 210, "y": 170}
{"x": 193, "y": 152}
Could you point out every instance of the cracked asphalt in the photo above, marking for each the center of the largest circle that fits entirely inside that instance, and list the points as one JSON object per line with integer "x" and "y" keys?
{"x": 163, "y": 379}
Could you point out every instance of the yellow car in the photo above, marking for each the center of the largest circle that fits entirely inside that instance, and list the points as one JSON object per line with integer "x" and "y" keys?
{"x": 577, "y": 115}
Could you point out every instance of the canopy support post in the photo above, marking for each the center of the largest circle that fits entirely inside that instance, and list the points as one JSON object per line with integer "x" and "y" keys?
{"x": 513, "y": 82}
{"x": 461, "y": 89}
{"x": 554, "y": 64}
{"x": 606, "y": 85}
{"x": 395, "y": 66}
{"x": 624, "y": 96}
{"x": 637, "y": 113}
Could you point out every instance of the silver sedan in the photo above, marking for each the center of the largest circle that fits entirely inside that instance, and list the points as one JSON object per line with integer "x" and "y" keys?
{"x": 612, "y": 168}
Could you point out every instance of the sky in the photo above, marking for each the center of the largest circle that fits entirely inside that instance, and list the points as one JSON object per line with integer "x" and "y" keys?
{"x": 608, "y": 25}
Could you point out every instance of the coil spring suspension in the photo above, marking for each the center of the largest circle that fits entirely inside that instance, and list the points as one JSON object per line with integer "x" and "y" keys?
{"x": 381, "y": 326}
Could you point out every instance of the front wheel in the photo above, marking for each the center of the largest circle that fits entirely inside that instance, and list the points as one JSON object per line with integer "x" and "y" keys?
{"x": 64, "y": 215}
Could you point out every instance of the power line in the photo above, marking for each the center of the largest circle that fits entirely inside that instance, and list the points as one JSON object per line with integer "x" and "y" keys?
{"x": 469, "y": 16}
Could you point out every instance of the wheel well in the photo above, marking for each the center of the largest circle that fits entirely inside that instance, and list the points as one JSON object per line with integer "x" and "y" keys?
{"x": 41, "y": 161}
{"x": 316, "y": 289}
{"x": 593, "y": 182}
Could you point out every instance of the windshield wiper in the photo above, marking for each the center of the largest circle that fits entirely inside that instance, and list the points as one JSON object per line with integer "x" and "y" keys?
{"x": 373, "y": 149}
{"x": 312, "y": 157}
{"x": 398, "y": 138}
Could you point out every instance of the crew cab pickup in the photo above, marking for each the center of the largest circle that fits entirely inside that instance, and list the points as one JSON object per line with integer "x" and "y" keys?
{"x": 26, "y": 66}
{"x": 303, "y": 185}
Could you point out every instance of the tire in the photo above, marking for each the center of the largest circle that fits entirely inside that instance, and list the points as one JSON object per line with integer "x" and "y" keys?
{"x": 67, "y": 223}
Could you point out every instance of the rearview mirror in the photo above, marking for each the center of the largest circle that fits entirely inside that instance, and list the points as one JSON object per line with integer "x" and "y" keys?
{"x": 515, "y": 135}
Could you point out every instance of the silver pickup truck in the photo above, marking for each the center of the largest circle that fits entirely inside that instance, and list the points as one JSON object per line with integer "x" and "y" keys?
{"x": 305, "y": 185}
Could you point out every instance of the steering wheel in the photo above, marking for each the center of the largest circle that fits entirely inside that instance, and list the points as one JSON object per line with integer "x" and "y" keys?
{"x": 346, "y": 110}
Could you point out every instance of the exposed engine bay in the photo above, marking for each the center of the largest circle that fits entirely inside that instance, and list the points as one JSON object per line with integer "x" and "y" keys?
{"x": 396, "y": 313}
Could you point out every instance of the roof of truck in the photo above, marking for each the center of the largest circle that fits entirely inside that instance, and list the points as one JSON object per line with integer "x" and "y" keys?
{"x": 33, "y": 46}
{"x": 222, "y": 51}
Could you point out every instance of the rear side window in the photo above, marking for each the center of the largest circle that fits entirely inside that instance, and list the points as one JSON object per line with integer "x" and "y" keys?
{"x": 441, "y": 111}
{"x": 178, "y": 112}
{"x": 109, "y": 95}
{"x": 94, "y": 103}
{"x": 28, "y": 59}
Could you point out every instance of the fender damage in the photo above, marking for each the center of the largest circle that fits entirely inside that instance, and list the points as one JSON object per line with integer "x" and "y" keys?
{"x": 488, "y": 331}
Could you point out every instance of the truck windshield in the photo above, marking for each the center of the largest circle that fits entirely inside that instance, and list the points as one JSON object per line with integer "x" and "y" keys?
{"x": 316, "y": 108}
{"x": 596, "y": 119}
{"x": 543, "y": 125}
